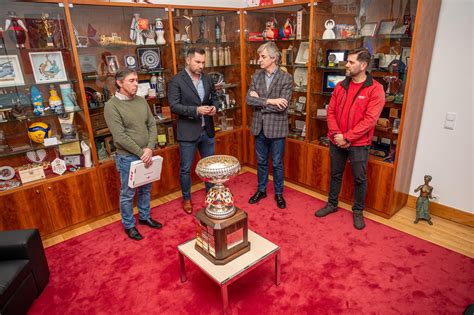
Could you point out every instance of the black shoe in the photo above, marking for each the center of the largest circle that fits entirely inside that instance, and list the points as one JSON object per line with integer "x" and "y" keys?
{"x": 281, "y": 203}
{"x": 324, "y": 211}
{"x": 257, "y": 196}
{"x": 134, "y": 234}
{"x": 358, "y": 220}
{"x": 151, "y": 223}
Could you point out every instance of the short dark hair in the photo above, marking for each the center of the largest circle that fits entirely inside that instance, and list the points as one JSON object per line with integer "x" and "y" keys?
{"x": 363, "y": 54}
{"x": 122, "y": 74}
{"x": 195, "y": 50}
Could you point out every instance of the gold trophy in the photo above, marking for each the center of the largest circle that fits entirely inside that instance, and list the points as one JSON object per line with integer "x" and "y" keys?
{"x": 222, "y": 231}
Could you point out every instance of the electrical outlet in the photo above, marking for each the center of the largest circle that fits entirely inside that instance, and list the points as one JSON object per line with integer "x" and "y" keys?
{"x": 450, "y": 120}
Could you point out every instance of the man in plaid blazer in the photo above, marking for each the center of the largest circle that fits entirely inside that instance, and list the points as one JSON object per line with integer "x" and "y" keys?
{"x": 269, "y": 95}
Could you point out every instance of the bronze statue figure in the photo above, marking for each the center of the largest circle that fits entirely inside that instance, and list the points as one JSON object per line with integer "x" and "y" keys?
{"x": 423, "y": 201}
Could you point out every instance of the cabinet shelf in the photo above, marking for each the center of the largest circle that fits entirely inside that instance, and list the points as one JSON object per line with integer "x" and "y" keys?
{"x": 204, "y": 44}
{"x": 118, "y": 46}
{"x": 354, "y": 39}
{"x": 88, "y": 77}
{"x": 30, "y": 116}
{"x": 35, "y": 146}
{"x": 303, "y": 39}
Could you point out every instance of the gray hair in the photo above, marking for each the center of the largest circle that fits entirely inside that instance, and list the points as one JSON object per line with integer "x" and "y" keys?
{"x": 272, "y": 51}
{"x": 122, "y": 74}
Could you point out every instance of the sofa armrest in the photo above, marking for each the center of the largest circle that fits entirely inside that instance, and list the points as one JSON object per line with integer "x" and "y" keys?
{"x": 26, "y": 244}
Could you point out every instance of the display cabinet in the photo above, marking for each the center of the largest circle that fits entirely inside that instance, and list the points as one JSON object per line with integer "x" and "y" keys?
{"x": 43, "y": 126}
{"x": 385, "y": 28}
{"x": 110, "y": 38}
{"x": 218, "y": 33}
{"x": 287, "y": 26}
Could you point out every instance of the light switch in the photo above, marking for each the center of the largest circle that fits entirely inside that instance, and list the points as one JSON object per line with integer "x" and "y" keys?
{"x": 450, "y": 120}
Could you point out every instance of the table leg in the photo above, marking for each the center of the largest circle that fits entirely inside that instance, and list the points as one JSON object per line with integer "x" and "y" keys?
{"x": 182, "y": 268}
{"x": 277, "y": 268}
{"x": 225, "y": 298}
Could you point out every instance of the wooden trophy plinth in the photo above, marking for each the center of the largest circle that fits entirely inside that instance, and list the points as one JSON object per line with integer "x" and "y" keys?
{"x": 221, "y": 241}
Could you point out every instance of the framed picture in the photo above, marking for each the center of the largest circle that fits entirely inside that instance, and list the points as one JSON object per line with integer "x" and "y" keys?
{"x": 300, "y": 107}
{"x": 368, "y": 29}
{"x": 405, "y": 55}
{"x": 386, "y": 27}
{"x": 10, "y": 71}
{"x": 88, "y": 63}
{"x": 112, "y": 64}
{"x": 331, "y": 79}
{"x": 130, "y": 62}
{"x": 333, "y": 57}
{"x": 48, "y": 67}
{"x": 149, "y": 58}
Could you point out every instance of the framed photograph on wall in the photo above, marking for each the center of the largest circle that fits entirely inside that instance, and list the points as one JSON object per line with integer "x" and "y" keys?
{"x": 331, "y": 79}
{"x": 88, "y": 63}
{"x": 10, "y": 71}
{"x": 48, "y": 67}
{"x": 368, "y": 29}
{"x": 333, "y": 57}
{"x": 386, "y": 27}
{"x": 130, "y": 62}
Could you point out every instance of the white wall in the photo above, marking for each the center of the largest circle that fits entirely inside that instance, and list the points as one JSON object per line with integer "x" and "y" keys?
{"x": 448, "y": 155}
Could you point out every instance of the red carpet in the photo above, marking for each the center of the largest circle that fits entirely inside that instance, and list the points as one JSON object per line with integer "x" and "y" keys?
{"x": 327, "y": 267}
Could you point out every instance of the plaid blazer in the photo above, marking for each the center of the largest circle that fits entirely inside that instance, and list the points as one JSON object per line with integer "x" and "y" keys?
{"x": 274, "y": 121}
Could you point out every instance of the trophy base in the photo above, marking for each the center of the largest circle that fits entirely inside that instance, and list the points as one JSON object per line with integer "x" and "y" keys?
{"x": 225, "y": 260}
{"x": 222, "y": 240}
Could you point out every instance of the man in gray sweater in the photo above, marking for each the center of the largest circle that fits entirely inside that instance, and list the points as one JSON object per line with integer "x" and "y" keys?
{"x": 133, "y": 129}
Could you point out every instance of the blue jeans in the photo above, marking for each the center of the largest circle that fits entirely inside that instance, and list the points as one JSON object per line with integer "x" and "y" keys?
{"x": 126, "y": 193}
{"x": 187, "y": 151}
{"x": 358, "y": 157}
{"x": 264, "y": 146}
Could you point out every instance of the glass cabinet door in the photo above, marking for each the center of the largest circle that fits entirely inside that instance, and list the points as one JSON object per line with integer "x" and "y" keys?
{"x": 41, "y": 111}
{"x": 288, "y": 27}
{"x": 110, "y": 38}
{"x": 384, "y": 27}
{"x": 218, "y": 33}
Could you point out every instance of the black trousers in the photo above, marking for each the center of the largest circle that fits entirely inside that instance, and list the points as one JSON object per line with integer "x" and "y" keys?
{"x": 358, "y": 157}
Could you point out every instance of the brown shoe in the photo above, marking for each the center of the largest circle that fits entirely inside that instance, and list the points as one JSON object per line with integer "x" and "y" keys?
{"x": 188, "y": 206}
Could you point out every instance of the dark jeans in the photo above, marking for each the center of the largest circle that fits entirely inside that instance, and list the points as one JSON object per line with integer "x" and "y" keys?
{"x": 264, "y": 146}
{"x": 187, "y": 151}
{"x": 358, "y": 157}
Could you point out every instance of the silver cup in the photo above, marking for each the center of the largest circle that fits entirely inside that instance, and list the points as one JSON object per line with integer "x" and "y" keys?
{"x": 217, "y": 169}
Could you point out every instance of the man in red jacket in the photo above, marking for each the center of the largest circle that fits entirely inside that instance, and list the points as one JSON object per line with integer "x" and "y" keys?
{"x": 353, "y": 111}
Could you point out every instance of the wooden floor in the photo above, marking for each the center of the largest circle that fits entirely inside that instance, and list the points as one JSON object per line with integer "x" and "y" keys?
{"x": 445, "y": 233}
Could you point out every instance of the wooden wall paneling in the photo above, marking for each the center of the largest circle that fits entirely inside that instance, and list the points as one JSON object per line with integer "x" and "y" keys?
{"x": 294, "y": 163}
{"x": 243, "y": 87}
{"x": 251, "y": 158}
{"x": 110, "y": 180}
{"x": 229, "y": 143}
{"x": 25, "y": 209}
{"x": 169, "y": 181}
{"x": 318, "y": 166}
{"x": 74, "y": 199}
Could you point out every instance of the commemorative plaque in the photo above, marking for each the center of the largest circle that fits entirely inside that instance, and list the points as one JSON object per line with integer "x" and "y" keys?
{"x": 222, "y": 230}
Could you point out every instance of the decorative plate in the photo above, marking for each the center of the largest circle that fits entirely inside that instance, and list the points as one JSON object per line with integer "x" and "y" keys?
{"x": 6, "y": 172}
{"x": 150, "y": 58}
{"x": 8, "y": 184}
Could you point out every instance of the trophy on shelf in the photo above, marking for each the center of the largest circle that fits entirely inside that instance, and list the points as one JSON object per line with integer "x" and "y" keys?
{"x": 188, "y": 29}
{"x": 222, "y": 232}
{"x": 47, "y": 30}
{"x": 389, "y": 79}
{"x": 202, "y": 29}
{"x": 67, "y": 127}
{"x": 16, "y": 29}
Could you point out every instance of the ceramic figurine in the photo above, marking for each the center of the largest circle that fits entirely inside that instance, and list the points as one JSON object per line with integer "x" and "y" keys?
{"x": 423, "y": 201}
{"x": 136, "y": 30}
{"x": 271, "y": 31}
{"x": 160, "y": 32}
{"x": 329, "y": 33}
{"x": 37, "y": 101}
{"x": 86, "y": 151}
{"x": 16, "y": 29}
{"x": 287, "y": 29}
{"x": 149, "y": 35}
{"x": 55, "y": 102}
{"x": 223, "y": 35}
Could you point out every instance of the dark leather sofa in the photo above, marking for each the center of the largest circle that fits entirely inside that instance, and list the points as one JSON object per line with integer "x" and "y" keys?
{"x": 24, "y": 270}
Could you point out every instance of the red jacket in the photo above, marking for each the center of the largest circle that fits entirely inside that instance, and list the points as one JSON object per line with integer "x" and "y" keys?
{"x": 364, "y": 111}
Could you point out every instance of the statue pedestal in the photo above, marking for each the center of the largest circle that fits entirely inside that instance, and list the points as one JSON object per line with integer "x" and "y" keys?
{"x": 221, "y": 241}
